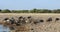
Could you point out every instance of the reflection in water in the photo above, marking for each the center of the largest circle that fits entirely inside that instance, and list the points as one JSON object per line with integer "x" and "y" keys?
{"x": 12, "y": 28}
{"x": 4, "y": 29}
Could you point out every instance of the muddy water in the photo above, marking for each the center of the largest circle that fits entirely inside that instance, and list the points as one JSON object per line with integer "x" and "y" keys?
{"x": 4, "y": 29}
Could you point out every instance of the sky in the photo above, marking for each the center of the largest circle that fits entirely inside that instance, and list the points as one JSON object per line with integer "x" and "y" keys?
{"x": 29, "y": 4}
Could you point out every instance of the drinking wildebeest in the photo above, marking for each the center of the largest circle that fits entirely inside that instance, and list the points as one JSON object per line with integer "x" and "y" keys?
{"x": 57, "y": 19}
{"x": 49, "y": 19}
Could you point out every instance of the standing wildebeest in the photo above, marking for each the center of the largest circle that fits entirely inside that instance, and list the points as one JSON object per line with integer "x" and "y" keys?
{"x": 38, "y": 21}
{"x": 49, "y": 19}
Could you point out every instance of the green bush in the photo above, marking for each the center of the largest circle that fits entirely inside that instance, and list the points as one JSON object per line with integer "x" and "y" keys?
{"x": 6, "y": 11}
{"x": 30, "y": 11}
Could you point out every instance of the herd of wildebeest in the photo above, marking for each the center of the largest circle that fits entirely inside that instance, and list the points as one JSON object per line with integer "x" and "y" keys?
{"x": 25, "y": 20}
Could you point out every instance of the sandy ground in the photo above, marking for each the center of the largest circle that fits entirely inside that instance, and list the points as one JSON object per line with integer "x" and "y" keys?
{"x": 40, "y": 27}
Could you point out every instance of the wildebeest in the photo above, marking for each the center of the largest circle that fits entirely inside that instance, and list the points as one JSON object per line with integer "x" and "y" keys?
{"x": 41, "y": 20}
{"x": 20, "y": 17}
{"x": 57, "y": 19}
{"x": 12, "y": 20}
{"x": 38, "y": 21}
{"x": 6, "y": 20}
{"x": 20, "y": 21}
{"x": 29, "y": 19}
{"x": 49, "y": 19}
{"x": 9, "y": 21}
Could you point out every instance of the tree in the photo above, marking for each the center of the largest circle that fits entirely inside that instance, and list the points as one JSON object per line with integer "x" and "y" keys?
{"x": 0, "y": 10}
{"x": 34, "y": 10}
{"x": 56, "y": 11}
{"x": 46, "y": 11}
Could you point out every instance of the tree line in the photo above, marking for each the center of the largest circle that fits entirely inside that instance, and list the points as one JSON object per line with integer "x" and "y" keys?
{"x": 30, "y": 11}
